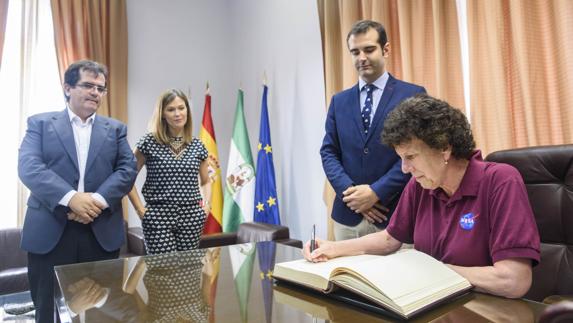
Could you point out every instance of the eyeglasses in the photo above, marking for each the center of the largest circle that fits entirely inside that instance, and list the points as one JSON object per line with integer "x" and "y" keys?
{"x": 90, "y": 86}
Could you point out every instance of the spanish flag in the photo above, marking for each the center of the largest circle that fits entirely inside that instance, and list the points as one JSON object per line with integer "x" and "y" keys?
{"x": 207, "y": 136}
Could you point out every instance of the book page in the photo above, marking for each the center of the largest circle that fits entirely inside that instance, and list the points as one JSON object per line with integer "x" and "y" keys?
{"x": 302, "y": 270}
{"x": 407, "y": 273}
{"x": 324, "y": 269}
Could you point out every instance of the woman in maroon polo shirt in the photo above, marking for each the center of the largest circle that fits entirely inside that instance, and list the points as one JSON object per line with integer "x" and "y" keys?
{"x": 468, "y": 213}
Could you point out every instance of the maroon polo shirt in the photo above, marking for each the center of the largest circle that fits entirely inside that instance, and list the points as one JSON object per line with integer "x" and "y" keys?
{"x": 486, "y": 220}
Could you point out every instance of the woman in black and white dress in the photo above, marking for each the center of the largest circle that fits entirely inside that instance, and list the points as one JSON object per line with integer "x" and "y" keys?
{"x": 175, "y": 210}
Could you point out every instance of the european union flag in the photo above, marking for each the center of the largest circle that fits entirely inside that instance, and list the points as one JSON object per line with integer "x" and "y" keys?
{"x": 266, "y": 205}
{"x": 266, "y": 202}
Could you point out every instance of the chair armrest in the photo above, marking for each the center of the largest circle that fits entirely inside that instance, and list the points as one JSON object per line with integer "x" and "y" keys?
{"x": 14, "y": 280}
{"x": 558, "y": 312}
{"x": 557, "y": 298}
{"x": 218, "y": 239}
{"x": 291, "y": 242}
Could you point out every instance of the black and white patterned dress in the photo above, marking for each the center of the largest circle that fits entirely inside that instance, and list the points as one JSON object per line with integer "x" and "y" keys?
{"x": 174, "y": 219}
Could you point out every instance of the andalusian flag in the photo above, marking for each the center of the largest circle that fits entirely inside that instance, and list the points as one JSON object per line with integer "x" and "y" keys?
{"x": 238, "y": 207}
{"x": 240, "y": 179}
{"x": 207, "y": 136}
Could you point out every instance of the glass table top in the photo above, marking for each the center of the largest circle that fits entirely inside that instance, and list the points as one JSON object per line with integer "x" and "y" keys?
{"x": 232, "y": 284}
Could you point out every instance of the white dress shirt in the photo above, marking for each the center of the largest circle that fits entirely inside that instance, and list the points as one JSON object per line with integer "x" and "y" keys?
{"x": 376, "y": 95}
{"x": 82, "y": 135}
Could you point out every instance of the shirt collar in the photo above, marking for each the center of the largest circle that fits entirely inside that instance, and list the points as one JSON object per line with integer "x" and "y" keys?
{"x": 72, "y": 116}
{"x": 472, "y": 178}
{"x": 380, "y": 82}
{"x": 474, "y": 174}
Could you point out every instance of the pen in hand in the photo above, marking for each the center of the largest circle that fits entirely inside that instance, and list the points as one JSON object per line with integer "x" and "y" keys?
{"x": 313, "y": 239}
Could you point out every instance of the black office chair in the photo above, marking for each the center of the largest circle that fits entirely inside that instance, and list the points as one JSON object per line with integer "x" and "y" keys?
{"x": 14, "y": 263}
{"x": 251, "y": 232}
{"x": 548, "y": 175}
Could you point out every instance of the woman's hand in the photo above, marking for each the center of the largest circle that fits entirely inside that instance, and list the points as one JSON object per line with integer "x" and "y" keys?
{"x": 324, "y": 250}
{"x": 141, "y": 212}
{"x": 206, "y": 207}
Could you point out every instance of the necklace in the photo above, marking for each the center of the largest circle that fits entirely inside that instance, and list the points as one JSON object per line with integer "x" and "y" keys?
{"x": 177, "y": 146}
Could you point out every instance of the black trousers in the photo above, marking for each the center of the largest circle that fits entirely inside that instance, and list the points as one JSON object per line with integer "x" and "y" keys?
{"x": 77, "y": 244}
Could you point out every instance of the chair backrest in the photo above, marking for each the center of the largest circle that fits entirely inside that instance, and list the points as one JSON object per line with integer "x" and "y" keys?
{"x": 257, "y": 231}
{"x": 548, "y": 175}
{"x": 10, "y": 253}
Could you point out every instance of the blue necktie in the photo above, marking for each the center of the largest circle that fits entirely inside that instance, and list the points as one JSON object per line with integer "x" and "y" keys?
{"x": 367, "y": 109}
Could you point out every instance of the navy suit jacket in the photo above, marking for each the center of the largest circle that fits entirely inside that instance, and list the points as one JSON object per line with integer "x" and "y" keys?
{"x": 351, "y": 157}
{"x": 48, "y": 166}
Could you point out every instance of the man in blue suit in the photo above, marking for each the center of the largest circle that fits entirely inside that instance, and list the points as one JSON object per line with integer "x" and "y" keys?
{"x": 365, "y": 174}
{"x": 78, "y": 166}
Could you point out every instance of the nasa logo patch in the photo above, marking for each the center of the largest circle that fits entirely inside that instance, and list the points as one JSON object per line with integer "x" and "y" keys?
{"x": 467, "y": 221}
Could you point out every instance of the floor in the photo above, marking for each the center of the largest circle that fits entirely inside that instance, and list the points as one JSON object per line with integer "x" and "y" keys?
{"x": 16, "y": 308}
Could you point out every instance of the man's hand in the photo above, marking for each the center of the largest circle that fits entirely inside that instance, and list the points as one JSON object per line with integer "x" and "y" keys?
{"x": 377, "y": 213}
{"x": 78, "y": 218}
{"x": 86, "y": 294}
{"x": 84, "y": 205}
{"x": 359, "y": 198}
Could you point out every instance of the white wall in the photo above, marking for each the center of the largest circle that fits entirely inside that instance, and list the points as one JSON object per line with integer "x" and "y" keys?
{"x": 183, "y": 44}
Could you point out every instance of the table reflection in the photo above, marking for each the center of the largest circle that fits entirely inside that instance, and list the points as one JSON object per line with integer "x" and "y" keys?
{"x": 160, "y": 288}
{"x": 177, "y": 286}
{"x": 94, "y": 294}
{"x": 484, "y": 308}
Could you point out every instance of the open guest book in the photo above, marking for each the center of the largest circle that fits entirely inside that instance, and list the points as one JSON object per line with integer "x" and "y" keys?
{"x": 406, "y": 282}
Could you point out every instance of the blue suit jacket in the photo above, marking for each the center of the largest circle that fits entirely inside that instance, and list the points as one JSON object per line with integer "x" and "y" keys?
{"x": 48, "y": 166}
{"x": 350, "y": 157}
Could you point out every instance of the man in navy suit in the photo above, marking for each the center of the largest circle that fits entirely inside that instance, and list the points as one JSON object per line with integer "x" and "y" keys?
{"x": 78, "y": 166}
{"x": 365, "y": 174}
